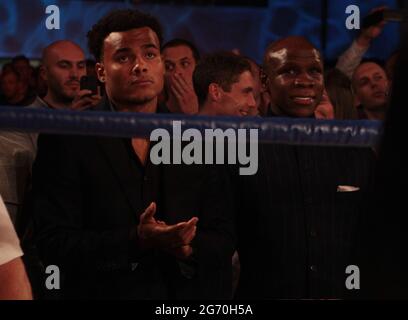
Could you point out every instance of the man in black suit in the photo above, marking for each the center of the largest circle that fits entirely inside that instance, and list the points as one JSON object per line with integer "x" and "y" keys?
{"x": 298, "y": 232}
{"x": 117, "y": 225}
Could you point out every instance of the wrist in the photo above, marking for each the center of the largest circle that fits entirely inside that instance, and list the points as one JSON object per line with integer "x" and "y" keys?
{"x": 364, "y": 41}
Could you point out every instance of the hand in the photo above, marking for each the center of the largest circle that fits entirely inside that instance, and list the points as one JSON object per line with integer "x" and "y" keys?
{"x": 370, "y": 33}
{"x": 182, "y": 253}
{"x": 325, "y": 109}
{"x": 236, "y": 51}
{"x": 157, "y": 234}
{"x": 184, "y": 94}
{"x": 84, "y": 100}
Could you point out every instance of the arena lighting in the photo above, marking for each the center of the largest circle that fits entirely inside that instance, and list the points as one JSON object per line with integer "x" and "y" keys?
{"x": 236, "y": 3}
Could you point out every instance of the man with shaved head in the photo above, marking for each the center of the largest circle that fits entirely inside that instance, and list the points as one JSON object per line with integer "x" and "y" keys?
{"x": 295, "y": 77}
{"x": 63, "y": 66}
{"x": 297, "y": 218}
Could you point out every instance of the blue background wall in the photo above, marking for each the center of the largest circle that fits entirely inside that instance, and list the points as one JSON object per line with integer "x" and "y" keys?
{"x": 22, "y": 24}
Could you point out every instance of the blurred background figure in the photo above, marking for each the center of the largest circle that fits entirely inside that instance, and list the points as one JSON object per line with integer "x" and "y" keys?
{"x": 13, "y": 278}
{"x": 371, "y": 87}
{"x": 351, "y": 58}
{"x": 260, "y": 91}
{"x": 40, "y": 84}
{"x": 22, "y": 65}
{"x": 180, "y": 59}
{"x": 324, "y": 109}
{"x": 7, "y": 67}
{"x": 9, "y": 87}
{"x": 14, "y": 91}
{"x": 27, "y": 82}
{"x": 338, "y": 89}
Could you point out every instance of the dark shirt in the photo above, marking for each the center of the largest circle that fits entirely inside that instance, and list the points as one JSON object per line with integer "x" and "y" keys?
{"x": 27, "y": 100}
{"x": 361, "y": 115}
{"x": 162, "y": 108}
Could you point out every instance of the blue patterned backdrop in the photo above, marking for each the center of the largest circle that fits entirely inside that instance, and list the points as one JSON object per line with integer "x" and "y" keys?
{"x": 22, "y": 24}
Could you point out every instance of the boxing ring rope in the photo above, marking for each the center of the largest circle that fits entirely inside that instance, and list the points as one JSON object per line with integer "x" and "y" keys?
{"x": 359, "y": 133}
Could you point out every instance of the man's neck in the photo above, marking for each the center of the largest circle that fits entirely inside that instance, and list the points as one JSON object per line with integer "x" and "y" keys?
{"x": 148, "y": 107}
{"x": 54, "y": 103}
{"x": 208, "y": 109}
{"x": 375, "y": 114}
{"x": 274, "y": 110}
{"x": 140, "y": 145}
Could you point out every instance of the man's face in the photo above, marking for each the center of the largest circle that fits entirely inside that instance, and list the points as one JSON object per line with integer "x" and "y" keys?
{"x": 63, "y": 69}
{"x": 179, "y": 60}
{"x": 240, "y": 100}
{"x": 23, "y": 68}
{"x": 295, "y": 80}
{"x": 371, "y": 86}
{"x": 132, "y": 68}
{"x": 9, "y": 85}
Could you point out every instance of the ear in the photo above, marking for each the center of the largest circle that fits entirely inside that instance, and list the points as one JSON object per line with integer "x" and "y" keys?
{"x": 100, "y": 72}
{"x": 214, "y": 92}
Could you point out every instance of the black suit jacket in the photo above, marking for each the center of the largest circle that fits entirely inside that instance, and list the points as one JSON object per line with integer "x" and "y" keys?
{"x": 296, "y": 232}
{"x": 88, "y": 194}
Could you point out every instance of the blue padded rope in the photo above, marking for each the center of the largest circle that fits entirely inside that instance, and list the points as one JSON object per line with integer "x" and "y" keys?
{"x": 362, "y": 133}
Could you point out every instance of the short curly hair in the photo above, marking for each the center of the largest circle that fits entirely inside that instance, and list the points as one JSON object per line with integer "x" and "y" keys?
{"x": 117, "y": 21}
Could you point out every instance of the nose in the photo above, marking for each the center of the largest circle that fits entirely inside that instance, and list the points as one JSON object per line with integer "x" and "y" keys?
{"x": 373, "y": 84}
{"x": 251, "y": 101}
{"x": 73, "y": 74}
{"x": 178, "y": 70}
{"x": 304, "y": 80}
{"x": 139, "y": 66}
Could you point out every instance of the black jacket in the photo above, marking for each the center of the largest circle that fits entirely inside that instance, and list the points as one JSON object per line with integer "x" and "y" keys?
{"x": 88, "y": 194}
{"x": 296, "y": 232}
